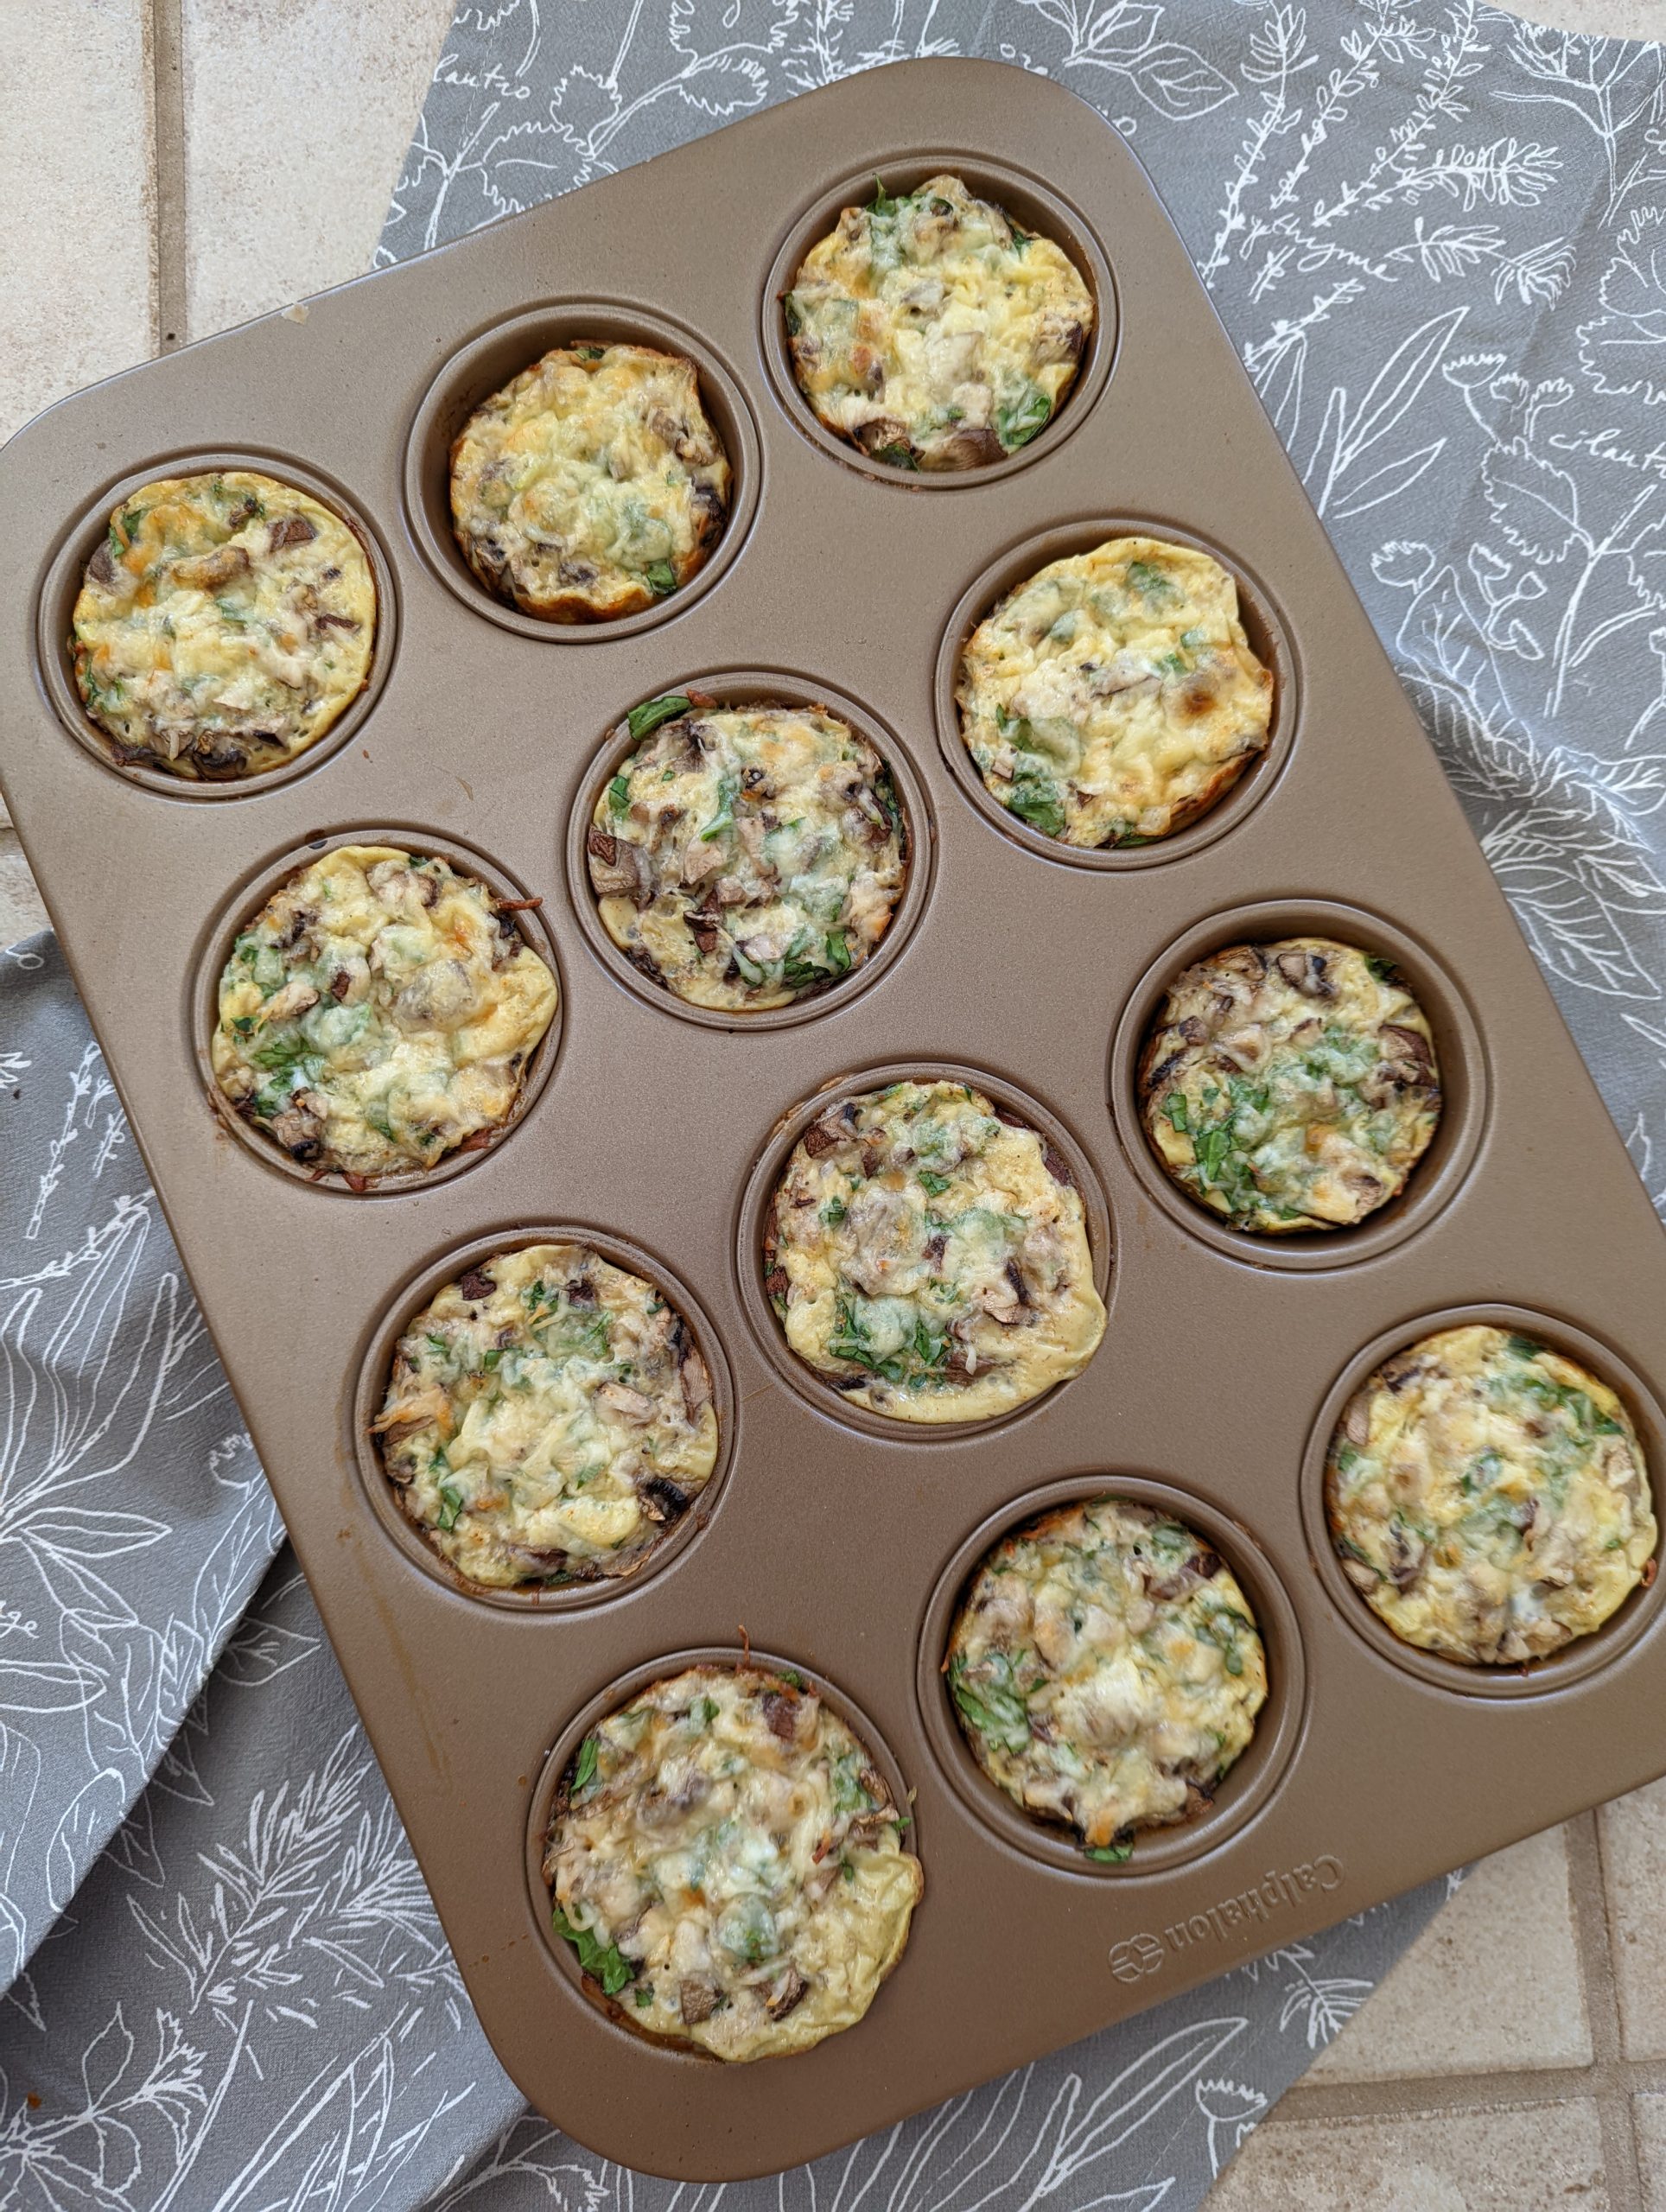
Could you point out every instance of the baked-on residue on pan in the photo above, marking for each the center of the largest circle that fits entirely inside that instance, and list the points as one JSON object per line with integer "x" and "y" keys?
{"x": 1106, "y": 1670}
{"x": 548, "y": 1419}
{"x": 225, "y": 622}
{"x": 379, "y": 1012}
{"x": 727, "y": 1863}
{"x": 932, "y": 332}
{"x": 1291, "y": 1085}
{"x": 1489, "y": 1497}
{"x": 745, "y": 856}
{"x": 926, "y": 1252}
{"x": 1113, "y": 697}
{"x": 592, "y": 485}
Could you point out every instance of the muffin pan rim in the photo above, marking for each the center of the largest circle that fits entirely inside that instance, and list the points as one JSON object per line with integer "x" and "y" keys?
{"x": 60, "y": 586}
{"x": 239, "y": 906}
{"x": 1637, "y": 1618}
{"x": 558, "y": 321}
{"x": 987, "y": 177}
{"x": 1446, "y": 1166}
{"x": 375, "y": 1364}
{"x": 609, "y": 1699}
{"x": 762, "y": 686}
{"x": 1259, "y": 1772}
{"x": 757, "y": 1187}
{"x": 1059, "y": 541}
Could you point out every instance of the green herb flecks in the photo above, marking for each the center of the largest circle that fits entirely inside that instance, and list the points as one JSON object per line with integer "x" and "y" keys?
{"x": 1148, "y": 580}
{"x": 660, "y": 576}
{"x": 584, "y": 1770}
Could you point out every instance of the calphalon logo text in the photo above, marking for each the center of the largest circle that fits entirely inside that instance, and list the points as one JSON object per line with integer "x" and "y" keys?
{"x": 1144, "y": 1954}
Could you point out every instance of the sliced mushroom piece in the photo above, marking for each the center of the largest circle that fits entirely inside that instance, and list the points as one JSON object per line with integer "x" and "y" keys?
{"x": 1306, "y": 972}
{"x": 789, "y": 1990}
{"x": 1409, "y": 1048}
{"x": 697, "y": 1998}
{"x": 212, "y": 572}
{"x": 629, "y": 1404}
{"x": 781, "y": 1711}
{"x": 291, "y": 529}
{"x": 661, "y": 1499}
{"x": 697, "y": 1382}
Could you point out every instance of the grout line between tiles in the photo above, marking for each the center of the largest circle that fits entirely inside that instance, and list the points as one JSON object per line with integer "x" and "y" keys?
{"x": 168, "y": 110}
{"x": 1611, "y": 2080}
{"x": 1596, "y": 1958}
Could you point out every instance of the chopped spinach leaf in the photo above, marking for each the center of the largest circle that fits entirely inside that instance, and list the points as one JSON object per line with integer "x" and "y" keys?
{"x": 651, "y": 712}
{"x": 609, "y": 1967}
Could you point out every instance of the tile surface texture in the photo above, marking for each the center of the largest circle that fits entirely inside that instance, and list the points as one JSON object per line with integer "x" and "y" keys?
{"x": 296, "y": 115}
{"x": 1501, "y": 2160}
{"x": 1492, "y": 1982}
{"x": 1648, "y": 2118}
{"x": 212, "y": 159}
{"x": 1633, "y": 1832}
{"x": 76, "y": 181}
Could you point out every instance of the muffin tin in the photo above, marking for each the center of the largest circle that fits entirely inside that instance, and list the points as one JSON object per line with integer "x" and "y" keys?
{"x": 834, "y": 1542}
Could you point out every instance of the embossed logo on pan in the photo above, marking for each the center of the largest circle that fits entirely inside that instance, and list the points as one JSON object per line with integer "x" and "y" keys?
{"x": 1145, "y": 1953}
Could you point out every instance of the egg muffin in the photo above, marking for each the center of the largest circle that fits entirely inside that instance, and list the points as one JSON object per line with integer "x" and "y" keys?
{"x": 746, "y": 856}
{"x": 224, "y": 623}
{"x": 377, "y": 1012}
{"x": 1290, "y": 1085}
{"x": 592, "y": 485}
{"x": 926, "y": 1252}
{"x": 727, "y": 1862}
{"x": 1106, "y": 1670}
{"x": 548, "y": 1419}
{"x": 1114, "y": 697}
{"x": 932, "y": 332}
{"x": 1489, "y": 1497}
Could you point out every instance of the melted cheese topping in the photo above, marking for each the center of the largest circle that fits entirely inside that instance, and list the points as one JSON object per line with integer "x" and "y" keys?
{"x": 933, "y": 333}
{"x": 379, "y": 1012}
{"x": 1490, "y": 1497}
{"x": 591, "y": 486}
{"x": 1291, "y": 1085}
{"x": 746, "y": 856}
{"x": 224, "y": 623}
{"x": 929, "y": 1255}
{"x": 726, "y": 1861}
{"x": 1113, "y": 697}
{"x": 1106, "y": 1670}
{"x": 548, "y": 1419}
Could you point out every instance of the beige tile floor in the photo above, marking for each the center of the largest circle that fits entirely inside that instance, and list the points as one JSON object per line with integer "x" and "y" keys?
{"x": 169, "y": 166}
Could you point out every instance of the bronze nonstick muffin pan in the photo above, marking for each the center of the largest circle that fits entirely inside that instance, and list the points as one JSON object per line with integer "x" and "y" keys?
{"x": 834, "y": 1539}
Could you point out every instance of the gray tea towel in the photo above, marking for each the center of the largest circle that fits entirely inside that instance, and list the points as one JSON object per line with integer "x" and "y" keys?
{"x": 1439, "y": 240}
